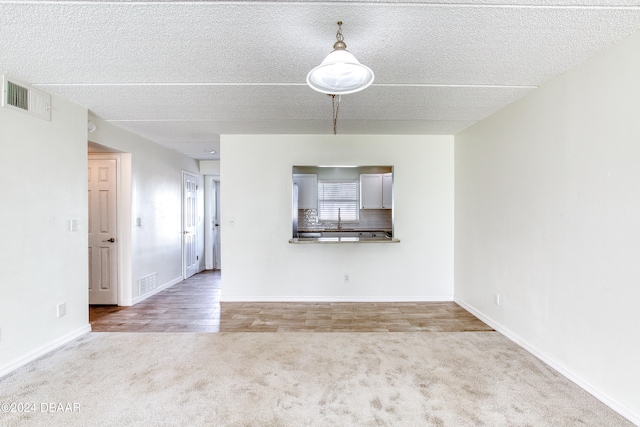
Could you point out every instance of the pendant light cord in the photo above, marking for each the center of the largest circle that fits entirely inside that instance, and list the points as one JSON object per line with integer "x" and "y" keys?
{"x": 336, "y": 107}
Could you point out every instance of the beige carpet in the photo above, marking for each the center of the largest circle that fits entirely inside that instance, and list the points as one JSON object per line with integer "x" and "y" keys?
{"x": 297, "y": 379}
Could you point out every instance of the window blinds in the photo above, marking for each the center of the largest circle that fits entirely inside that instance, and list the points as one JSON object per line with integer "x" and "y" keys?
{"x": 334, "y": 195}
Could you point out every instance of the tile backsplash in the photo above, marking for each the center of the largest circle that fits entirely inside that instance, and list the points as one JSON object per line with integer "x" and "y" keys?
{"x": 370, "y": 219}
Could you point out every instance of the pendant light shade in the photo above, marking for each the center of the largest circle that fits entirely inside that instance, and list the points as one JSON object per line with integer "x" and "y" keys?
{"x": 340, "y": 73}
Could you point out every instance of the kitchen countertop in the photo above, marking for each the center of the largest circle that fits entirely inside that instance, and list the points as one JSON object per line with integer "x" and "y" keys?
{"x": 339, "y": 240}
{"x": 362, "y": 230}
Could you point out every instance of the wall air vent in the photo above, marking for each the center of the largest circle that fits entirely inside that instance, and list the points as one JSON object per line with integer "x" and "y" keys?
{"x": 147, "y": 283}
{"x": 22, "y": 97}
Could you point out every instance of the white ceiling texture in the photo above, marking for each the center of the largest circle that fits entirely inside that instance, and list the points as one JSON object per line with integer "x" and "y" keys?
{"x": 181, "y": 73}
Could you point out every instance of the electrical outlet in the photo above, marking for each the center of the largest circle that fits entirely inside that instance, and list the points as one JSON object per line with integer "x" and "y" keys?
{"x": 62, "y": 309}
{"x": 496, "y": 298}
{"x": 346, "y": 277}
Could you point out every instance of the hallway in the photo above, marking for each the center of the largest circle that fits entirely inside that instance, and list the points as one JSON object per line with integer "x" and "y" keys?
{"x": 193, "y": 305}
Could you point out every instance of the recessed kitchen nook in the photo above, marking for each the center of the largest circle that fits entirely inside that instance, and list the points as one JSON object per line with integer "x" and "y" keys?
{"x": 342, "y": 204}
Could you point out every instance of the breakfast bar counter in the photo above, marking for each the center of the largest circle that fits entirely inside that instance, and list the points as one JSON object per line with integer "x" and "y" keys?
{"x": 339, "y": 240}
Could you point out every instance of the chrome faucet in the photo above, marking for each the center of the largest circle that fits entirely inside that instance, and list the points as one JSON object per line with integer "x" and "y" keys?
{"x": 339, "y": 224}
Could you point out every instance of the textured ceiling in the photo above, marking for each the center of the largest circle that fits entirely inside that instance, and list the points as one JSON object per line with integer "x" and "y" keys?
{"x": 182, "y": 73}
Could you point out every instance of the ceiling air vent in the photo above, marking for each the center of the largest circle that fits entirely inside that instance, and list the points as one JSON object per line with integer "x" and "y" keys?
{"x": 22, "y": 97}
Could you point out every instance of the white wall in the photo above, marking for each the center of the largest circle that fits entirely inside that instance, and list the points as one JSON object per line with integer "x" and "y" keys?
{"x": 156, "y": 195}
{"x": 547, "y": 215}
{"x": 260, "y": 264}
{"x": 209, "y": 167}
{"x": 43, "y": 185}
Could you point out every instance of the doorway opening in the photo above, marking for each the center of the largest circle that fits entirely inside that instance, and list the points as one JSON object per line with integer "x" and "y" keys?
{"x": 103, "y": 230}
{"x": 109, "y": 217}
{"x": 212, "y": 221}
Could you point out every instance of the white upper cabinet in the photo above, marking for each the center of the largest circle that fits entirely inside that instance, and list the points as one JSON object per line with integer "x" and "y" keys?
{"x": 371, "y": 191}
{"x": 376, "y": 191}
{"x": 387, "y": 191}
{"x": 307, "y": 190}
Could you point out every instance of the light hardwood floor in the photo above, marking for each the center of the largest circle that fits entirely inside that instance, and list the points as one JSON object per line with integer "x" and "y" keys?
{"x": 193, "y": 305}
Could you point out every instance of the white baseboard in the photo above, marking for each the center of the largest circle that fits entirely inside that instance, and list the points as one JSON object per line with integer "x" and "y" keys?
{"x": 333, "y": 298}
{"x": 160, "y": 288}
{"x": 42, "y": 350}
{"x": 563, "y": 370}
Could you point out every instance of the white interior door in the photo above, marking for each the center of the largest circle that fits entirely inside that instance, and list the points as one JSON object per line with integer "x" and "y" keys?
{"x": 189, "y": 224}
{"x": 103, "y": 246}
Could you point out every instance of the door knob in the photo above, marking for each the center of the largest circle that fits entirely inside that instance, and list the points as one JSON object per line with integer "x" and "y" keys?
{"x": 110, "y": 240}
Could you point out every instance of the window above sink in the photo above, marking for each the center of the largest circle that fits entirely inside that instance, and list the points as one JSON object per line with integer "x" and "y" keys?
{"x": 338, "y": 201}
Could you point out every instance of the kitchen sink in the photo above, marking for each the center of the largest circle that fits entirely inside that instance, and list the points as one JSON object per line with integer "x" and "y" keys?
{"x": 307, "y": 234}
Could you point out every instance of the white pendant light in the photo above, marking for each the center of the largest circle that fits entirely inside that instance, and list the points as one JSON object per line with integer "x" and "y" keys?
{"x": 340, "y": 73}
